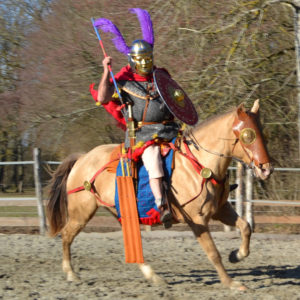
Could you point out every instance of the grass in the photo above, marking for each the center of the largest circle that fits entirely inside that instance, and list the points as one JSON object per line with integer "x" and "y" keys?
{"x": 11, "y": 192}
{"x": 18, "y": 211}
{"x": 31, "y": 211}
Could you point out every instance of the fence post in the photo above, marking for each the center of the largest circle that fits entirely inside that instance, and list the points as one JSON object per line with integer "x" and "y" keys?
{"x": 38, "y": 189}
{"x": 240, "y": 189}
{"x": 249, "y": 195}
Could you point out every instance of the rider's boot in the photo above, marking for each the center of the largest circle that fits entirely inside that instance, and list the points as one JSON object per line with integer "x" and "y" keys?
{"x": 165, "y": 214}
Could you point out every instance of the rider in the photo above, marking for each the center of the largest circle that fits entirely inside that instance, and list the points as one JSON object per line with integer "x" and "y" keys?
{"x": 152, "y": 118}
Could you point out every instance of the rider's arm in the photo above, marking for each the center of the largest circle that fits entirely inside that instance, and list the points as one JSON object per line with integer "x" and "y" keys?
{"x": 105, "y": 88}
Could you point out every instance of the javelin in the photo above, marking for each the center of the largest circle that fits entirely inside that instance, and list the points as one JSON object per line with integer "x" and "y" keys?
{"x": 105, "y": 55}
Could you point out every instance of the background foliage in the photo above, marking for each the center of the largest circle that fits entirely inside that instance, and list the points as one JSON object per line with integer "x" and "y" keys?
{"x": 221, "y": 52}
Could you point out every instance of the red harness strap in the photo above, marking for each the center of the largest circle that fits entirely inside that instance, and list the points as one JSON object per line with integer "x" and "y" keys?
{"x": 197, "y": 166}
{"x": 91, "y": 184}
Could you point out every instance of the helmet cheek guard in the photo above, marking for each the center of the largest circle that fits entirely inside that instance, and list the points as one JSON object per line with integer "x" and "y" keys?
{"x": 131, "y": 62}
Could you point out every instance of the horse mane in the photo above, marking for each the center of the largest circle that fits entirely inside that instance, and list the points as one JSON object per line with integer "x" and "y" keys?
{"x": 213, "y": 118}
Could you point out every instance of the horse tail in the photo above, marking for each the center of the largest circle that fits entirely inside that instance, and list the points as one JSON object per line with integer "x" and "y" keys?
{"x": 56, "y": 208}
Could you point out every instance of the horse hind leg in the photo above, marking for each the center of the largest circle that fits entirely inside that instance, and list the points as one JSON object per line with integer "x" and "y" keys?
{"x": 75, "y": 224}
{"x": 228, "y": 216}
{"x": 150, "y": 275}
{"x": 69, "y": 232}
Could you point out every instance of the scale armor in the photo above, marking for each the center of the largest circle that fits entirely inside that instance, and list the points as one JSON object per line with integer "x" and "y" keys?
{"x": 137, "y": 93}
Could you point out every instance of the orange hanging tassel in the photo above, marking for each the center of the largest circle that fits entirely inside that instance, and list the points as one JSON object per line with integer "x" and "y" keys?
{"x": 130, "y": 220}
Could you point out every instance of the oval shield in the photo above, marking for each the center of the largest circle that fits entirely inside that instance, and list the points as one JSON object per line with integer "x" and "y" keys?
{"x": 175, "y": 98}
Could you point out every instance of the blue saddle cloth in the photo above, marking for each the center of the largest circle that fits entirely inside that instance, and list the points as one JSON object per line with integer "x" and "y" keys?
{"x": 147, "y": 209}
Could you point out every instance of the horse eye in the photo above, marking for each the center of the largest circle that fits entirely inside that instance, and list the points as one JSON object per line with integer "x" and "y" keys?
{"x": 248, "y": 136}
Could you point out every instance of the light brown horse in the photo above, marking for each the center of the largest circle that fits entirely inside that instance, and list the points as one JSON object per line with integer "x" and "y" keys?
{"x": 213, "y": 143}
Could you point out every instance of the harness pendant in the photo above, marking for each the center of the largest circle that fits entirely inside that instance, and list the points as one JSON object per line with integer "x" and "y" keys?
{"x": 206, "y": 173}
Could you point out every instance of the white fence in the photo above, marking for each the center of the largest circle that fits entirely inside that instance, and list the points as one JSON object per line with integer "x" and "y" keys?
{"x": 243, "y": 196}
{"x": 36, "y": 163}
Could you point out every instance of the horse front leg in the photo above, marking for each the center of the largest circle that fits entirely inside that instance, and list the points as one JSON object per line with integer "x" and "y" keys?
{"x": 200, "y": 229}
{"x": 228, "y": 216}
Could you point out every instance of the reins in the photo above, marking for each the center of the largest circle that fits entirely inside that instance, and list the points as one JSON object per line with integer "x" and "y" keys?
{"x": 196, "y": 144}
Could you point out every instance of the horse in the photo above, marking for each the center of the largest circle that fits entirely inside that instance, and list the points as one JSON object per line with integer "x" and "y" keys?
{"x": 194, "y": 196}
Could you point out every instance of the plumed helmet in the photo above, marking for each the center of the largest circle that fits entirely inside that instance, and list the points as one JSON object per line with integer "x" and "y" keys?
{"x": 120, "y": 44}
{"x": 140, "y": 57}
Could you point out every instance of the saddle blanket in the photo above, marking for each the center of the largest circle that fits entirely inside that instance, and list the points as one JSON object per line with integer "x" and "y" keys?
{"x": 147, "y": 209}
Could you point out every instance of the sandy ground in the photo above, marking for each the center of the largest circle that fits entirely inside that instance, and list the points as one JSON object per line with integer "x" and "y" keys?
{"x": 30, "y": 267}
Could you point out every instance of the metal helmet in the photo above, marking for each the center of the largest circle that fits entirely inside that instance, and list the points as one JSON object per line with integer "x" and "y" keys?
{"x": 140, "y": 57}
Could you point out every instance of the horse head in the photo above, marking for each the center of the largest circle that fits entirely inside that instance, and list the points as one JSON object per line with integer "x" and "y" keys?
{"x": 250, "y": 144}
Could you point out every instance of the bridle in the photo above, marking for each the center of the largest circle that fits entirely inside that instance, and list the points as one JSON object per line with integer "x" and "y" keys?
{"x": 196, "y": 144}
{"x": 248, "y": 135}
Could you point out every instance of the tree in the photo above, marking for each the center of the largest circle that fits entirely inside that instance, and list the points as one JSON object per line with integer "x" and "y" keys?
{"x": 221, "y": 52}
{"x": 16, "y": 21}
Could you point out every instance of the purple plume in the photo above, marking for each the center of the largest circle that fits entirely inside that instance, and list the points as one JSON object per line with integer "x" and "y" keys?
{"x": 107, "y": 26}
{"x": 145, "y": 23}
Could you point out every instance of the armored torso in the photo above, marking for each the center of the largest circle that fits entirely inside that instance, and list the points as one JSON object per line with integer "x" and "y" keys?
{"x": 152, "y": 117}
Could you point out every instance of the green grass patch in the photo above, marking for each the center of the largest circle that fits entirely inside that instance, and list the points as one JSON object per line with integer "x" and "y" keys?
{"x": 18, "y": 211}
{"x": 11, "y": 192}
{"x": 31, "y": 211}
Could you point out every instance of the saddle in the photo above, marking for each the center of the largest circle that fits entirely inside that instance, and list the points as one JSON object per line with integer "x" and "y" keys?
{"x": 148, "y": 212}
{"x": 117, "y": 152}
{"x": 114, "y": 158}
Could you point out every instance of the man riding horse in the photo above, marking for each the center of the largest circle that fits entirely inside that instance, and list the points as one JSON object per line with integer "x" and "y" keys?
{"x": 199, "y": 181}
{"x": 152, "y": 97}
{"x": 154, "y": 123}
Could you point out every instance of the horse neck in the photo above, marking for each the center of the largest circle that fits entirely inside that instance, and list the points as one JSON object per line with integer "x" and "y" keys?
{"x": 216, "y": 137}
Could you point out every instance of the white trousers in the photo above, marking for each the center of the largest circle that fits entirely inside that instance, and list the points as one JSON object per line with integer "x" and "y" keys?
{"x": 153, "y": 162}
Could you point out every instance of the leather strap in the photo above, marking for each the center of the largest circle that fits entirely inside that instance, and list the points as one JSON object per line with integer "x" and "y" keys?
{"x": 142, "y": 123}
{"x": 91, "y": 181}
{"x": 197, "y": 166}
{"x": 138, "y": 96}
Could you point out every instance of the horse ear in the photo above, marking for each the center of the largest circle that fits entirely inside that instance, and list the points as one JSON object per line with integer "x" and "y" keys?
{"x": 255, "y": 106}
{"x": 240, "y": 109}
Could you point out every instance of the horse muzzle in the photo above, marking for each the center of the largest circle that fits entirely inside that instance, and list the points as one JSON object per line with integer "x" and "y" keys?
{"x": 263, "y": 171}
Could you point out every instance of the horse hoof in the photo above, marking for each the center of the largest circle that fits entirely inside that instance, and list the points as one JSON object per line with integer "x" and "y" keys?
{"x": 151, "y": 275}
{"x": 238, "y": 286}
{"x": 72, "y": 277}
{"x": 233, "y": 256}
{"x": 157, "y": 280}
